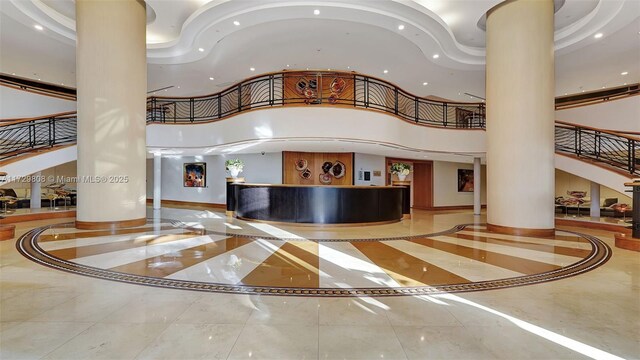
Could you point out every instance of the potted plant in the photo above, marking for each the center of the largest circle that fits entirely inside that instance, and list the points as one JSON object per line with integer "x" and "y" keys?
{"x": 401, "y": 170}
{"x": 234, "y": 166}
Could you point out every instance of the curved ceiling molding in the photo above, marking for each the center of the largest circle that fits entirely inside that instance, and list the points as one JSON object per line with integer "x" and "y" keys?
{"x": 177, "y": 29}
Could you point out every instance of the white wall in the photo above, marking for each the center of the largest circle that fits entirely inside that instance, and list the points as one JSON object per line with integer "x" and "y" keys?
{"x": 316, "y": 123}
{"x": 445, "y": 185}
{"x": 623, "y": 114}
{"x": 258, "y": 168}
{"x": 569, "y": 182}
{"x": 367, "y": 162}
{"x": 22, "y": 104}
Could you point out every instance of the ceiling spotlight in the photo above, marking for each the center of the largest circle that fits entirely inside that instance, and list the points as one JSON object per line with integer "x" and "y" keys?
{"x": 316, "y": 12}
{"x": 598, "y": 35}
{"x": 211, "y": 78}
{"x": 201, "y": 49}
{"x": 252, "y": 69}
{"x": 425, "y": 83}
{"x": 386, "y": 71}
{"x": 236, "y": 23}
{"x": 435, "y": 56}
{"x": 348, "y": 67}
{"x": 400, "y": 27}
{"x": 38, "y": 27}
{"x": 287, "y": 65}
{"x": 624, "y": 73}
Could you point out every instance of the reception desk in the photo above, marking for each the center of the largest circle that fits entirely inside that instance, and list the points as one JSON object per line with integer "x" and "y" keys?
{"x": 316, "y": 204}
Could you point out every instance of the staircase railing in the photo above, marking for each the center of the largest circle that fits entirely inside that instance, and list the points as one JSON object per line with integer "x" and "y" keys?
{"x": 26, "y": 135}
{"x": 613, "y": 149}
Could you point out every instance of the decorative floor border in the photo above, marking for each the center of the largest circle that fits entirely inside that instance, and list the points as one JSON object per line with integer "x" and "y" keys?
{"x": 600, "y": 253}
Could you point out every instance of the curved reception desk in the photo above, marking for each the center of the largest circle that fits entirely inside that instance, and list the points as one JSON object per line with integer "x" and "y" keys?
{"x": 316, "y": 204}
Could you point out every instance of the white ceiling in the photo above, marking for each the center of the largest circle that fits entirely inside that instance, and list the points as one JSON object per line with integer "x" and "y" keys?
{"x": 354, "y": 35}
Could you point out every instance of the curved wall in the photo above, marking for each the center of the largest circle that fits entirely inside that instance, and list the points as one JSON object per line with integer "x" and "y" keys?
{"x": 621, "y": 115}
{"x": 324, "y": 123}
{"x": 16, "y": 103}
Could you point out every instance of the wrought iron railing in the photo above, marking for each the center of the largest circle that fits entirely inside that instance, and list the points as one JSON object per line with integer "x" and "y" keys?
{"x": 314, "y": 88}
{"x": 616, "y": 150}
{"x": 26, "y": 135}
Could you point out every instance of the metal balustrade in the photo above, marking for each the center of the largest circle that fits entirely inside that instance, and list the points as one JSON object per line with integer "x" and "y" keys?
{"x": 616, "y": 150}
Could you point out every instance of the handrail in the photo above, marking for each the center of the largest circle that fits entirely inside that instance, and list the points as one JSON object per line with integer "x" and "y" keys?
{"x": 322, "y": 88}
{"x": 38, "y": 87}
{"x": 313, "y": 88}
{"x": 596, "y": 97}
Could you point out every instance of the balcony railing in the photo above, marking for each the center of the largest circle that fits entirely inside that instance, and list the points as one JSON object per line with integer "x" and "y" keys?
{"x": 315, "y": 88}
{"x": 616, "y": 150}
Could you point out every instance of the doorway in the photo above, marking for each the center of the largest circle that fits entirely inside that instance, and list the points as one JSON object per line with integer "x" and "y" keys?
{"x": 421, "y": 178}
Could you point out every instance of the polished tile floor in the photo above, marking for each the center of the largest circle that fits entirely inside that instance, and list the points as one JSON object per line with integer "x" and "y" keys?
{"x": 47, "y": 313}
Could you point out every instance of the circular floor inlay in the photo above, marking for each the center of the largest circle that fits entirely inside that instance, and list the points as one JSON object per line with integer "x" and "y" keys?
{"x": 171, "y": 254}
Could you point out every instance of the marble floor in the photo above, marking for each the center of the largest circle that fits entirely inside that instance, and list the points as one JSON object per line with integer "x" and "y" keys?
{"x": 51, "y": 314}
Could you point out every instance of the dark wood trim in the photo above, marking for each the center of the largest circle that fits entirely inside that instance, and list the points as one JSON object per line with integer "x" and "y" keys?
{"x": 38, "y": 216}
{"x": 627, "y": 242}
{"x": 7, "y": 232}
{"x": 101, "y": 225}
{"x": 202, "y": 205}
{"x": 593, "y": 225}
{"x": 520, "y": 231}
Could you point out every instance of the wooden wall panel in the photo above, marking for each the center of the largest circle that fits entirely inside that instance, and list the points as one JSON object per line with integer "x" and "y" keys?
{"x": 335, "y": 88}
{"x": 315, "y": 160}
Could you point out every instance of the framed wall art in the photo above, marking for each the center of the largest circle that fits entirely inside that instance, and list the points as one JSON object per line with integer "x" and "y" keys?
{"x": 195, "y": 175}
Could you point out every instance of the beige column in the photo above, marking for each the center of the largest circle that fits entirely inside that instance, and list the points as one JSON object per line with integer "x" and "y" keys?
{"x": 520, "y": 117}
{"x": 111, "y": 76}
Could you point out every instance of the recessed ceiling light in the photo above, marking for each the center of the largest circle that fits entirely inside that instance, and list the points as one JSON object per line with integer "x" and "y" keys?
{"x": 435, "y": 56}
{"x": 13, "y": 73}
{"x": 236, "y": 23}
{"x": 425, "y": 83}
{"x": 211, "y": 78}
{"x": 603, "y": 87}
{"x": 252, "y": 69}
{"x": 38, "y": 27}
{"x": 598, "y": 35}
{"x": 566, "y": 93}
{"x": 39, "y": 80}
{"x": 287, "y": 65}
{"x": 200, "y": 49}
{"x": 178, "y": 87}
{"x": 386, "y": 71}
{"x": 348, "y": 67}
{"x": 61, "y": 83}
{"x": 400, "y": 27}
{"x": 316, "y": 12}
{"x": 624, "y": 73}
{"x": 328, "y": 69}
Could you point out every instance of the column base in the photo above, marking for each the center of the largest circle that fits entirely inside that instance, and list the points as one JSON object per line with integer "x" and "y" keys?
{"x": 7, "y": 232}
{"x": 107, "y": 225}
{"x": 627, "y": 242}
{"x": 406, "y": 216}
{"x": 230, "y": 213}
{"x": 521, "y": 231}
